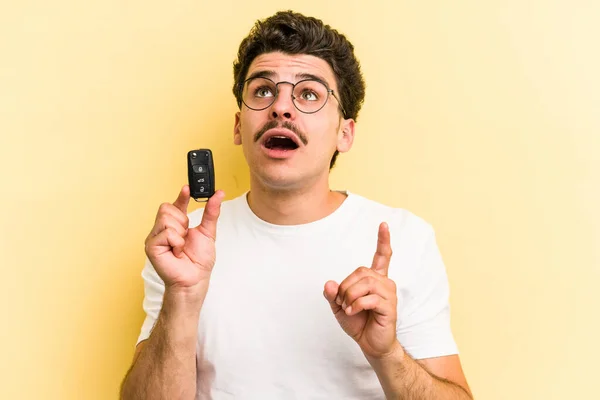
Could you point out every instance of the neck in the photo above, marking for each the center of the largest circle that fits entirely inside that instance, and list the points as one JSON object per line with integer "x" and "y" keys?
{"x": 293, "y": 206}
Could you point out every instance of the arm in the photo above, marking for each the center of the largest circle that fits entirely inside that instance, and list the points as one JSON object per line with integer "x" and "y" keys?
{"x": 401, "y": 377}
{"x": 365, "y": 305}
{"x": 165, "y": 365}
{"x": 183, "y": 257}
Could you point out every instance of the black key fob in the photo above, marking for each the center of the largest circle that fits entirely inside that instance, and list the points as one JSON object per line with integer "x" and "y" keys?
{"x": 201, "y": 173}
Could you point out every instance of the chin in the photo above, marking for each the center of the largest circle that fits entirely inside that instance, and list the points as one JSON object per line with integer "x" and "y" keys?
{"x": 279, "y": 178}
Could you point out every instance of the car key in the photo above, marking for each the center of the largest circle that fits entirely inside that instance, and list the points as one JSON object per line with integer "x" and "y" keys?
{"x": 201, "y": 174}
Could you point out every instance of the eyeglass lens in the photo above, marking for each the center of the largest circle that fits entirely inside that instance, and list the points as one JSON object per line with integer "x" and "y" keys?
{"x": 308, "y": 95}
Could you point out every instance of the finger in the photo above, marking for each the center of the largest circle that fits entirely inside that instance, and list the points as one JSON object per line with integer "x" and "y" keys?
{"x": 208, "y": 226}
{"x": 165, "y": 241}
{"x": 351, "y": 279}
{"x": 372, "y": 302}
{"x": 183, "y": 200}
{"x": 166, "y": 221}
{"x": 383, "y": 254}
{"x": 366, "y": 286}
{"x": 169, "y": 216}
{"x": 173, "y": 211}
{"x": 330, "y": 292}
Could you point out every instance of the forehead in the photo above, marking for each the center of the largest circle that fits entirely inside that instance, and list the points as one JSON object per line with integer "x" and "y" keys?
{"x": 291, "y": 67}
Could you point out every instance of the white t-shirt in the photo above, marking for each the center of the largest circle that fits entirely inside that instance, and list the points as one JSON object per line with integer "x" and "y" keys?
{"x": 267, "y": 332}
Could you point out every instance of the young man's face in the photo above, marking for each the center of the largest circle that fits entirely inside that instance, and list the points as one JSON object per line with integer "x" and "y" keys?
{"x": 277, "y": 162}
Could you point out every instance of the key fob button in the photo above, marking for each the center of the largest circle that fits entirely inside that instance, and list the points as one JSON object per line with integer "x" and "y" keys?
{"x": 201, "y": 178}
{"x": 203, "y": 189}
{"x": 200, "y": 168}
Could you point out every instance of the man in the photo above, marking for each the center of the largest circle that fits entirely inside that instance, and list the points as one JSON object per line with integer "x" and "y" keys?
{"x": 234, "y": 292}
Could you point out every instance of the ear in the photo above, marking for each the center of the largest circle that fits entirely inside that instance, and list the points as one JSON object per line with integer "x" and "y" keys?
{"x": 345, "y": 136}
{"x": 237, "y": 134}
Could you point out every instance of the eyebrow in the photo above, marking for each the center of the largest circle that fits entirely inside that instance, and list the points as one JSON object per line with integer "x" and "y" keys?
{"x": 262, "y": 74}
{"x": 299, "y": 76}
{"x": 304, "y": 75}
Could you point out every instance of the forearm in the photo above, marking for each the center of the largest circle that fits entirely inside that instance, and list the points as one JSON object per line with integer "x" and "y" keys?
{"x": 401, "y": 377}
{"x": 166, "y": 366}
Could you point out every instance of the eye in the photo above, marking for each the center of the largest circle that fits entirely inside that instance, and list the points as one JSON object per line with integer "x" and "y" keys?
{"x": 309, "y": 95}
{"x": 263, "y": 91}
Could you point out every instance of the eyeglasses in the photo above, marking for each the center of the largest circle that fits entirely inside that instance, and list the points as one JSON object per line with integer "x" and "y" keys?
{"x": 308, "y": 95}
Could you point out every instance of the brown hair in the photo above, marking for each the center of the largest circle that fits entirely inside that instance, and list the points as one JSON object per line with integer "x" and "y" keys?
{"x": 294, "y": 33}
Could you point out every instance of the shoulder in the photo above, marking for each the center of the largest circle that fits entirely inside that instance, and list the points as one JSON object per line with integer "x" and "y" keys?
{"x": 411, "y": 238}
{"x": 404, "y": 225}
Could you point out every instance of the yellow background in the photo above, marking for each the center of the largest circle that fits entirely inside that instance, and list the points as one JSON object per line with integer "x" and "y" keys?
{"x": 480, "y": 116}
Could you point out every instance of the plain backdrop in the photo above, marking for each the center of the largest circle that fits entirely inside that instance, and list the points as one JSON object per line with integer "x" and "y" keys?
{"x": 480, "y": 116}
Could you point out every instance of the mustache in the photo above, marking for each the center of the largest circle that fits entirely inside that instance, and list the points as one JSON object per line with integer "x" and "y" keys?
{"x": 286, "y": 125}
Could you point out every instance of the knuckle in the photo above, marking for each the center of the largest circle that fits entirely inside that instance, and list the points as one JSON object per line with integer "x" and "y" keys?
{"x": 351, "y": 293}
{"x": 168, "y": 232}
{"x": 362, "y": 270}
{"x": 162, "y": 219}
{"x": 386, "y": 251}
{"x": 166, "y": 221}
{"x": 150, "y": 239}
{"x": 147, "y": 249}
{"x": 343, "y": 285}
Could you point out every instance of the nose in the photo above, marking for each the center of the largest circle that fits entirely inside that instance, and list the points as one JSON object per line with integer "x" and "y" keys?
{"x": 283, "y": 107}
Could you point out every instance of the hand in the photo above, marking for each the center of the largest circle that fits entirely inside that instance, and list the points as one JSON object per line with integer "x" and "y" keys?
{"x": 365, "y": 303}
{"x": 184, "y": 257}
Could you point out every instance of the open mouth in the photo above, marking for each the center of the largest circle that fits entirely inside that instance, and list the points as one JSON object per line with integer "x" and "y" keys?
{"x": 280, "y": 143}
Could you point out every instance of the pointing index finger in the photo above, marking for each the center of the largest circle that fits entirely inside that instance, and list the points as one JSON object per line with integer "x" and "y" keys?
{"x": 383, "y": 254}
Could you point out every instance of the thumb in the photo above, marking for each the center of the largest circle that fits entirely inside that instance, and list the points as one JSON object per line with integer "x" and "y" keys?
{"x": 208, "y": 225}
{"x": 330, "y": 292}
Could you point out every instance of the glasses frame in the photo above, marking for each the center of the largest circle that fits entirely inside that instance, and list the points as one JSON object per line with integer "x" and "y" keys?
{"x": 329, "y": 92}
